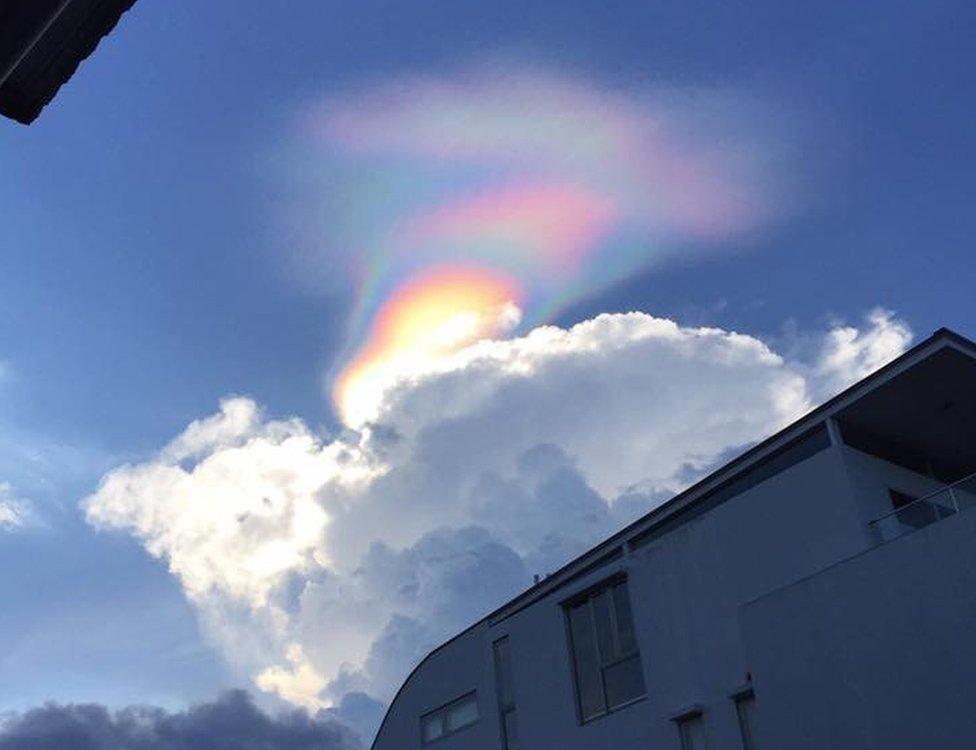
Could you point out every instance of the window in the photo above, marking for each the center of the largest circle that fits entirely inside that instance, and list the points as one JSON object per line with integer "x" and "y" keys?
{"x": 448, "y": 719}
{"x": 506, "y": 700}
{"x": 745, "y": 709}
{"x": 900, "y": 499}
{"x": 605, "y": 656}
{"x": 691, "y": 730}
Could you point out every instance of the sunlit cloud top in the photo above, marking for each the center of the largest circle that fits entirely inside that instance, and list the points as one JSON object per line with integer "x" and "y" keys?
{"x": 15, "y": 512}
{"x": 554, "y": 184}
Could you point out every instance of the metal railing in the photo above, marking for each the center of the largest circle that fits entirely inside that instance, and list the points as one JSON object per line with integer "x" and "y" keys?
{"x": 928, "y": 509}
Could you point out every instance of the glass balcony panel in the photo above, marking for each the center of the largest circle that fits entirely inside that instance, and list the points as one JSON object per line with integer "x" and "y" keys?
{"x": 927, "y": 510}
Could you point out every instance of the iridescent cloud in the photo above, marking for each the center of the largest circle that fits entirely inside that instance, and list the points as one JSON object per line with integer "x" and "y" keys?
{"x": 543, "y": 224}
{"x": 557, "y": 186}
{"x": 429, "y": 316}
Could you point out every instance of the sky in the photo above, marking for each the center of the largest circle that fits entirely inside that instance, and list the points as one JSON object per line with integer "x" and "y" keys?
{"x": 293, "y": 302}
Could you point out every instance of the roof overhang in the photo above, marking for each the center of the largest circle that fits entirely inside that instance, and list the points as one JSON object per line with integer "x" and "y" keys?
{"x": 921, "y": 418}
{"x": 41, "y": 44}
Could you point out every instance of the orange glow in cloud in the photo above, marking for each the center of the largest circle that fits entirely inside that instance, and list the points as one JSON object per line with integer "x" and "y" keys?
{"x": 556, "y": 222}
{"x": 428, "y": 317}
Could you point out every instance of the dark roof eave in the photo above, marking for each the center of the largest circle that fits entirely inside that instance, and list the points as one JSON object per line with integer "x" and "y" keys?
{"x": 42, "y": 44}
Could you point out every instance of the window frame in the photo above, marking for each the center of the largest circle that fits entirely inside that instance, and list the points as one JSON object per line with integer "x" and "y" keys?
{"x": 507, "y": 708}
{"x": 744, "y": 701}
{"x": 587, "y": 595}
{"x": 684, "y": 721}
{"x": 442, "y": 712}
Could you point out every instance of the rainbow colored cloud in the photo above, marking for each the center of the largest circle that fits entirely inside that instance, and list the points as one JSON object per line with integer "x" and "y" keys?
{"x": 500, "y": 182}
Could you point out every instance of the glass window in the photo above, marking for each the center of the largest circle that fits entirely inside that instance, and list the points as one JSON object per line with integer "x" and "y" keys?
{"x": 589, "y": 684}
{"x": 461, "y": 714}
{"x": 692, "y": 733}
{"x": 503, "y": 673}
{"x": 606, "y": 638}
{"x": 745, "y": 709}
{"x": 511, "y": 731}
{"x": 624, "y": 681}
{"x": 433, "y": 727}
{"x": 449, "y": 718}
{"x": 605, "y": 656}
{"x": 625, "y": 620}
{"x": 506, "y": 697}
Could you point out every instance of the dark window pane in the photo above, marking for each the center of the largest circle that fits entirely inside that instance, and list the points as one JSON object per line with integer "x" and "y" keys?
{"x": 692, "y": 734}
{"x": 604, "y": 627}
{"x": 624, "y": 681}
{"x": 461, "y": 714}
{"x": 503, "y": 674}
{"x": 918, "y": 516}
{"x": 900, "y": 499}
{"x": 511, "y": 731}
{"x": 432, "y": 727}
{"x": 587, "y": 662}
{"x": 625, "y": 620}
{"x": 745, "y": 707}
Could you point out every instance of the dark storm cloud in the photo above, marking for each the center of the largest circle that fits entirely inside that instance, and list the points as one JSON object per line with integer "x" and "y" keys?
{"x": 232, "y": 722}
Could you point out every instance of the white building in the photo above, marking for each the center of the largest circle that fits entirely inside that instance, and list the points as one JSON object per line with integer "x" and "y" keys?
{"x": 819, "y": 591}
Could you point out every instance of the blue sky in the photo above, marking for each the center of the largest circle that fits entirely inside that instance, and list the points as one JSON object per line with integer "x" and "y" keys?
{"x": 147, "y": 274}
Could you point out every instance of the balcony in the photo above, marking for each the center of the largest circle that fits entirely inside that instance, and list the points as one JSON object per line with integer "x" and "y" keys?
{"x": 926, "y": 510}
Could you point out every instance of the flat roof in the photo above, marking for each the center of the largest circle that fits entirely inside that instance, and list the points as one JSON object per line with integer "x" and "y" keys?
{"x": 42, "y": 42}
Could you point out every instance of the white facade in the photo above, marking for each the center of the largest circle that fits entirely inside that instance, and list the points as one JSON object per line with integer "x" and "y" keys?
{"x": 813, "y": 593}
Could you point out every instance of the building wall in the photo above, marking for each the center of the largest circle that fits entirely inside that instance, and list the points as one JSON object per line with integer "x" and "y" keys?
{"x": 463, "y": 665}
{"x": 686, "y": 590}
{"x": 872, "y": 477}
{"x": 876, "y": 652}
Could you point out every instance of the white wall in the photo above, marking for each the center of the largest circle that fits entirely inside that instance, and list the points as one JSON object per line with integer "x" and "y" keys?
{"x": 871, "y": 477}
{"x": 875, "y": 653}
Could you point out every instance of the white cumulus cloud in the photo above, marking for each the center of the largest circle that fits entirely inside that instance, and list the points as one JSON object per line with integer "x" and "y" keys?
{"x": 850, "y": 353}
{"x": 15, "y": 512}
{"x": 327, "y": 567}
